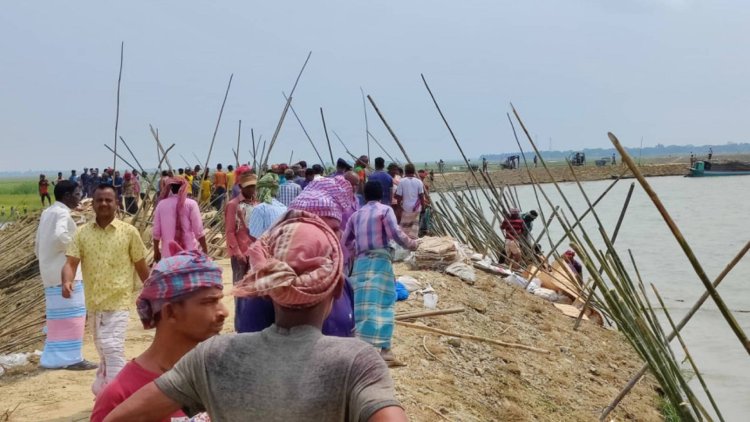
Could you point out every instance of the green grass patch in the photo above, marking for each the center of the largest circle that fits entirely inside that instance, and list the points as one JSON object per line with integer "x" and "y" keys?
{"x": 669, "y": 412}
{"x": 22, "y": 194}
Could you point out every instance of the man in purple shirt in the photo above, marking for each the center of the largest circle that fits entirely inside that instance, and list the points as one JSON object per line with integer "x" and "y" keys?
{"x": 385, "y": 179}
{"x": 368, "y": 232}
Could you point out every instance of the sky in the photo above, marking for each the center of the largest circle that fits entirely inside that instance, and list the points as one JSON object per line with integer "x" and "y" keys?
{"x": 667, "y": 71}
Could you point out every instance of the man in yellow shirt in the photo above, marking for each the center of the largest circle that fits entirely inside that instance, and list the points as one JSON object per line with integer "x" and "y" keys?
{"x": 109, "y": 251}
{"x": 189, "y": 177}
{"x": 231, "y": 178}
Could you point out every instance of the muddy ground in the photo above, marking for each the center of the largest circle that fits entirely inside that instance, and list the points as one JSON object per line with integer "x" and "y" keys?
{"x": 444, "y": 378}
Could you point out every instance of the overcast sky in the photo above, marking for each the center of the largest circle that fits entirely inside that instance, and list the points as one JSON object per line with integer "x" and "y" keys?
{"x": 672, "y": 71}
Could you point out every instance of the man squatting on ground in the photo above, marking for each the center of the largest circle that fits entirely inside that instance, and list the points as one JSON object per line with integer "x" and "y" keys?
{"x": 289, "y": 371}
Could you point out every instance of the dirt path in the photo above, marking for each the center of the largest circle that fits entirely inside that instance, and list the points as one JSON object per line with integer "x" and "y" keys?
{"x": 444, "y": 379}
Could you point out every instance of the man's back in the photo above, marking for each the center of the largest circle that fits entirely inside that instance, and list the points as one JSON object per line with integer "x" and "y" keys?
{"x": 281, "y": 375}
{"x": 386, "y": 181}
{"x": 410, "y": 188}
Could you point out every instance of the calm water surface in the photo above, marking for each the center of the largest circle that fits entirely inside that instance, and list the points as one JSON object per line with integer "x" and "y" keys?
{"x": 712, "y": 214}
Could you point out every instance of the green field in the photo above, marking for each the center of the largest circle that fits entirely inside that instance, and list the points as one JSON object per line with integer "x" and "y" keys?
{"x": 19, "y": 193}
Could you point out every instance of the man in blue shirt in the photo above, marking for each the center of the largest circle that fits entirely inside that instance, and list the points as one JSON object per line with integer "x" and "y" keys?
{"x": 385, "y": 179}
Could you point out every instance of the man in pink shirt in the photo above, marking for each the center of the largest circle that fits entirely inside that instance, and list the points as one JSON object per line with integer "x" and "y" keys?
{"x": 177, "y": 218}
{"x": 181, "y": 299}
{"x": 236, "y": 219}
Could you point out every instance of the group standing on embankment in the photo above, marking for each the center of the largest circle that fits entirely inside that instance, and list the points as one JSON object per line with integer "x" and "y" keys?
{"x": 311, "y": 263}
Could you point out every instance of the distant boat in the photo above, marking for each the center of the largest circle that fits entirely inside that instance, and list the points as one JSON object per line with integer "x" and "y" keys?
{"x": 728, "y": 168}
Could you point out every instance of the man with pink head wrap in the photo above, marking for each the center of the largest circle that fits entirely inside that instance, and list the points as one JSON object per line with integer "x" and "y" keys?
{"x": 329, "y": 199}
{"x": 290, "y": 370}
{"x": 177, "y": 218}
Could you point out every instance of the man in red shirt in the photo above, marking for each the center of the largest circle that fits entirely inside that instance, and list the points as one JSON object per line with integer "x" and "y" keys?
{"x": 182, "y": 300}
{"x": 44, "y": 189}
{"x": 513, "y": 228}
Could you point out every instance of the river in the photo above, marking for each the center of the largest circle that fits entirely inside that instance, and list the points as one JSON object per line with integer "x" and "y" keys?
{"x": 712, "y": 214}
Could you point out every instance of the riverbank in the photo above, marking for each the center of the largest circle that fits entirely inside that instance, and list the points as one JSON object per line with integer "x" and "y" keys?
{"x": 444, "y": 378}
{"x": 560, "y": 173}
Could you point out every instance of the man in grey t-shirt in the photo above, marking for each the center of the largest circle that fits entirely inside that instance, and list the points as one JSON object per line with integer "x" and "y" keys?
{"x": 289, "y": 371}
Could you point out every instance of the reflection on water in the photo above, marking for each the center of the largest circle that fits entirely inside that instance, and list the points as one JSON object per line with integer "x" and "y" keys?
{"x": 712, "y": 215}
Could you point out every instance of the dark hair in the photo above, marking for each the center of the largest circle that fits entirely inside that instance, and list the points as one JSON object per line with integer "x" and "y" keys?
{"x": 379, "y": 163}
{"x": 373, "y": 191}
{"x": 175, "y": 188}
{"x": 218, "y": 166}
{"x": 164, "y": 173}
{"x": 409, "y": 169}
{"x": 309, "y": 172}
{"x": 303, "y": 164}
{"x": 317, "y": 169}
{"x": 180, "y": 170}
{"x": 230, "y": 167}
{"x": 63, "y": 188}
{"x": 101, "y": 186}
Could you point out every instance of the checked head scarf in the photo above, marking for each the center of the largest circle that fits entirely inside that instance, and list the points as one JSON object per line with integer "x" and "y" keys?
{"x": 298, "y": 263}
{"x": 174, "y": 277}
{"x": 268, "y": 186}
{"x": 326, "y": 197}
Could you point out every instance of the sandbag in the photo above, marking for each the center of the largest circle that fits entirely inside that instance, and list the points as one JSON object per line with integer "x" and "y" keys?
{"x": 410, "y": 283}
{"x": 463, "y": 271}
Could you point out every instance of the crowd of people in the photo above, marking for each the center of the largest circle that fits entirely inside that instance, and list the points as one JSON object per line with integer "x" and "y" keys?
{"x": 313, "y": 283}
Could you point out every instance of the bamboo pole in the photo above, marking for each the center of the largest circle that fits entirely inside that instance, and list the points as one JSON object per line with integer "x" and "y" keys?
{"x": 354, "y": 157}
{"x": 693, "y": 310}
{"x": 393, "y": 134}
{"x": 472, "y": 337}
{"x": 216, "y": 130}
{"x": 255, "y": 151}
{"x": 132, "y": 155}
{"x": 367, "y": 125}
{"x": 328, "y": 140}
{"x": 118, "y": 155}
{"x": 687, "y": 354}
{"x": 393, "y": 160}
{"x": 420, "y": 314}
{"x": 264, "y": 161}
{"x": 239, "y": 134}
{"x": 725, "y": 312}
{"x": 117, "y": 113}
{"x": 305, "y": 132}
{"x": 614, "y": 238}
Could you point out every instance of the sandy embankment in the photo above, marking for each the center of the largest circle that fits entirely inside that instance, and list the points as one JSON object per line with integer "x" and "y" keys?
{"x": 561, "y": 174}
{"x": 461, "y": 380}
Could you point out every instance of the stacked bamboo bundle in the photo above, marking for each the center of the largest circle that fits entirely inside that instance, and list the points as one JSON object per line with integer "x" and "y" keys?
{"x": 21, "y": 292}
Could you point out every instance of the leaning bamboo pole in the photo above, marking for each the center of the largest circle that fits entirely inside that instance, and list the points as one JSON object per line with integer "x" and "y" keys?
{"x": 117, "y": 112}
{"x": 264, "y": 161}
{"x": 684, "y": 245}
{"x": 216, "y": 129}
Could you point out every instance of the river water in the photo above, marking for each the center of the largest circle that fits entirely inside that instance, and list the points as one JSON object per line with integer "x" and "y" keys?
{"x": 712, "y": 214}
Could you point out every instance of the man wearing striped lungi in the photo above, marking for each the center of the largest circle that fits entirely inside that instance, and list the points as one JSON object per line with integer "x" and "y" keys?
{"x": 66, "y": 318}
{"x": 368, "y": 232}
{"x": 410, "y": 196}
{"x": 108, "y": 250}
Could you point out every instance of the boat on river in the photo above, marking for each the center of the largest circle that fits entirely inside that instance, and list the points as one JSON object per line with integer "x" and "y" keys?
{"x": 704, "y": 168}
